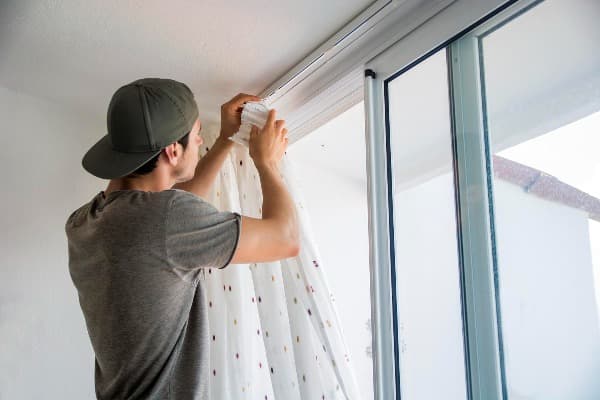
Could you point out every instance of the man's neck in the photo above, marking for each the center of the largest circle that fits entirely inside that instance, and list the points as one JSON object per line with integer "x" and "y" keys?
{"x": 150, "y": 183}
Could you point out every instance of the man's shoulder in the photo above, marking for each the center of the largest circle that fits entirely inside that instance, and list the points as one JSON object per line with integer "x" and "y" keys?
{"x": 76, "y": 216}
{"x": 182, "y": 201}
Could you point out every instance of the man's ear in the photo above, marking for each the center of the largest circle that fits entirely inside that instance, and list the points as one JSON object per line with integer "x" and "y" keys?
{"x": 173, "y": 153}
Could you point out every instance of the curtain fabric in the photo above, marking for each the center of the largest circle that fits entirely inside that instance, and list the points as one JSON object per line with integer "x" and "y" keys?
{"x": 274, "y": 330}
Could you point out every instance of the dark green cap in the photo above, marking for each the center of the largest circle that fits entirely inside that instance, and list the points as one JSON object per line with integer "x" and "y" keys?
{"x": 143, "y": 118}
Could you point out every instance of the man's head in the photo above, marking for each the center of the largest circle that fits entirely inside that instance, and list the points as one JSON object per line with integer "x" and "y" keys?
{"x": 149, "y": 119}
{"x": 181, "y": 157}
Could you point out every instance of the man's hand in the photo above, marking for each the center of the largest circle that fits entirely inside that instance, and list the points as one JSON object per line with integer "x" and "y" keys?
{"x": 267, "y": 145}
{"x": 231, "y": 114}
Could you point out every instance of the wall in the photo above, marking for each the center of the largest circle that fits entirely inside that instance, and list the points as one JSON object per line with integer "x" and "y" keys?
{"x": 45, "y": 349}
{"x": 329, "y": 165}
{"x": 549, "y": 314}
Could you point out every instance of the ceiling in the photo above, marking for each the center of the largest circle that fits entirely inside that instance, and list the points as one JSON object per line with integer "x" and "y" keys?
{"x": 77, "y": 53}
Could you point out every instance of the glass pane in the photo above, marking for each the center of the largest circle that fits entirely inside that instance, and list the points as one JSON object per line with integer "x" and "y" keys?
{"x": 427, "y": 268}
{"x": 335, "y": 196}
{"x": 542, "y": 79}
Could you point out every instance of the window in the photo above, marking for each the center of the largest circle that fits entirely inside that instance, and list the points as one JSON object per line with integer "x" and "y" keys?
{"x": 424, "y": 229}
{"x": 542, "y": 81}
{"x": 510, "y": 182}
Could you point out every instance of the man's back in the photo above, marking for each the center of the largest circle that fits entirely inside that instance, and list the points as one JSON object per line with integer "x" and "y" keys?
{"x": 136, "y": 259}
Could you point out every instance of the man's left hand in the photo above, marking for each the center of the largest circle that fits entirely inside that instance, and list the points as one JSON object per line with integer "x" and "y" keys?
{"x": 231, "y": 114}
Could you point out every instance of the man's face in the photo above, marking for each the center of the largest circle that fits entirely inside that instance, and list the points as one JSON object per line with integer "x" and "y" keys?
{"x": 191, "y": 154}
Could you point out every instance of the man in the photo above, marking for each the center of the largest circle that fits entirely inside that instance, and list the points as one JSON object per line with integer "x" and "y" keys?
{"x": 137, "y": 250}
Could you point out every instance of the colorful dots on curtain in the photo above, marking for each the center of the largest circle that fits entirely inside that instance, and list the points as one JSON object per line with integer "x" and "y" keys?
{"x": 315, "y": 263}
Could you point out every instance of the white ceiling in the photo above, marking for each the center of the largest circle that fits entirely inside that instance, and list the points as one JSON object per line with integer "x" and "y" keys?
{"x": 77, "y": 53}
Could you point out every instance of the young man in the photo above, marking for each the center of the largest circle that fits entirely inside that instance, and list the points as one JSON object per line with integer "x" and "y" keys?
{"x": 137, "y": 250}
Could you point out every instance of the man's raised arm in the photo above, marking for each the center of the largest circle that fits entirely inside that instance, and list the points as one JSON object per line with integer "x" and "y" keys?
{"x": 210, "y": 164}
{"x": 276, "y": 235}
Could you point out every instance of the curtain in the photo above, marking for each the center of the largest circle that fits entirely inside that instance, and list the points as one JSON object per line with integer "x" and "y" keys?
{"x": 274, "y": 329}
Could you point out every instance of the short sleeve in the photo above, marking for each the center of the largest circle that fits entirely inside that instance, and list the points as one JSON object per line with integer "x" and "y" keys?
{"x": 198, "y": 235}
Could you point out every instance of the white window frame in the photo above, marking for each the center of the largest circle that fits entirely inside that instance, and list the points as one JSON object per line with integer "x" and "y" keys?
{"x": 455, "y": 30}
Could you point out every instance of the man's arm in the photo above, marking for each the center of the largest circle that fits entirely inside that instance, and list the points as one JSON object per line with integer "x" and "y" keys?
{"x": 276, "y": 235}
{"x": 209, "y": 166}
{"x": 207, "y": 169}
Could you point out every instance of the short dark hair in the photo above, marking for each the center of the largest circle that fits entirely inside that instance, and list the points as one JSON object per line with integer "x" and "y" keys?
{"x": 150, "y": 165}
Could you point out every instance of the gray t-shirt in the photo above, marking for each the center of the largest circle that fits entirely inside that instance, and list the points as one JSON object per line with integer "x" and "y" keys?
{"x": 137, "y": 260}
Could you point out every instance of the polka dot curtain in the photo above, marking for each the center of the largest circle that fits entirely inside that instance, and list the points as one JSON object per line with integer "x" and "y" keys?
{"x": 274, "y": 330}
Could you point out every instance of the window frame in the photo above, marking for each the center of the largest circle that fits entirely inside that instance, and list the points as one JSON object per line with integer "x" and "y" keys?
{"x": 484, "y": 362}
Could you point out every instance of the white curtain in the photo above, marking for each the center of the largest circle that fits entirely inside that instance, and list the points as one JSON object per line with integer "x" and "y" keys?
{"x": 274, "y": 330}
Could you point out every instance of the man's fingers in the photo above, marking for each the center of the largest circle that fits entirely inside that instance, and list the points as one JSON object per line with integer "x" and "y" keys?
{"x": 242, "y": 98}
{"x": 271, "y": 118}
{"x": 279, "y": 126}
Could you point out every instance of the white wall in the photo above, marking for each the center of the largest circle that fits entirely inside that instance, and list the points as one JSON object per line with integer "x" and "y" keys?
{"x": 329, "y": 164}
{"x": 45, "y": 352}
{"x": 549, "y": 314}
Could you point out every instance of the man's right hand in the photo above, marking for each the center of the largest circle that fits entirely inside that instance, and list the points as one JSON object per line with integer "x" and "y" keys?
{"x": 267, "y": 145}
{"x": 276, "y": 235}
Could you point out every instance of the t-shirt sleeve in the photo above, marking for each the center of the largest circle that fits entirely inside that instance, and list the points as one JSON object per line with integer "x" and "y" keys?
{"x": 198, "y": 235}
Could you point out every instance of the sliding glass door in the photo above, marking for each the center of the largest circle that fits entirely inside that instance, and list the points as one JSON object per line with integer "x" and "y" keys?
{"x": 485, "y": 197}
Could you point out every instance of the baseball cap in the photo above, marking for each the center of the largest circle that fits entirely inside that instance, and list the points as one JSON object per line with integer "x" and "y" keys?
{"x": 143, "y": 117}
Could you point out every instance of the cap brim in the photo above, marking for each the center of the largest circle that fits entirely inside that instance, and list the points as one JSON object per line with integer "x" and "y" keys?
{"x": 104, "y": 162}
